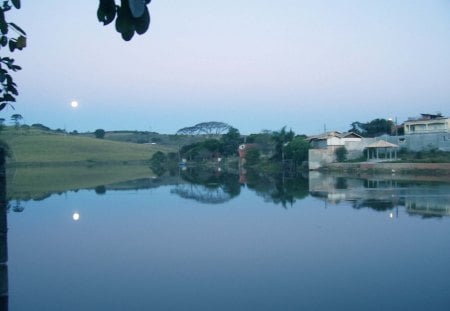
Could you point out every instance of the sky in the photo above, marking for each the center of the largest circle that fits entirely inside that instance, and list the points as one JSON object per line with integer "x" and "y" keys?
{"x": 257, "y": 65}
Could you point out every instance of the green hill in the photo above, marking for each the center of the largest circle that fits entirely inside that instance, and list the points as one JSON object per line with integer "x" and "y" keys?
{"x": 34, "y": 146}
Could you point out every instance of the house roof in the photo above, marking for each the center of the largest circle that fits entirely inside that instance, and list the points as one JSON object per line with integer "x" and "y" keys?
{"x": 327, "y": 135}
{"x": 427, "y": 117}
{"x": 382, "y": 144}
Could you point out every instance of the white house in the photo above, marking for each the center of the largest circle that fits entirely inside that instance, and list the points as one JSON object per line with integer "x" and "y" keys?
{"x": 334, "y": 138}
{"x": 427, "y": 123}
{"x": 323, "y": 147}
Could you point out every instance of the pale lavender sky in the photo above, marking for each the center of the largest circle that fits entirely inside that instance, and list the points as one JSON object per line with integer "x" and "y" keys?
{"x": 253, "y": 64}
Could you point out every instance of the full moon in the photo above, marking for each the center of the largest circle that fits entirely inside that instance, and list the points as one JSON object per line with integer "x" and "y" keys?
{"x": 76, "y": 216}
{"x": 74, "y": 104}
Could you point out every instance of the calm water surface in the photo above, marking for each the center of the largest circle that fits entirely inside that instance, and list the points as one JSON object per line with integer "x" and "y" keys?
{"x": 234, "y": 247}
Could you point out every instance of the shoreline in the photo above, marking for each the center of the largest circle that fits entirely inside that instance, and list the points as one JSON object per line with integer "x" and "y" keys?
{"x": 434, "y": 169}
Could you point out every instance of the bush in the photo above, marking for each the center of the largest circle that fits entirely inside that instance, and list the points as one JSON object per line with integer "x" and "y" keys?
{"x": 158, "y": 163}
{"x": 341, "y": 154}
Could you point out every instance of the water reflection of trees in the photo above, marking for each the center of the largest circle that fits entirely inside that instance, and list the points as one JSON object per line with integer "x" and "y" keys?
{"x": 211, "y": 185}
{"x": 276, "y": 189}
{"x": 208, "y": 185}
{"x": 377, "y": 205}
{"x": 214, "y": 186}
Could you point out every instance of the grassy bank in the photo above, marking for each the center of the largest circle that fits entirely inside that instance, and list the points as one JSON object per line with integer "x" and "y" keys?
{"x": 27, "y": 183}
{"x": 36, "y": 147}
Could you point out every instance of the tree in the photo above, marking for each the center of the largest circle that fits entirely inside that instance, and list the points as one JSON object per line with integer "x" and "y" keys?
{"x": 16, "y": 119}
{"x": 252, "y": 156}
{"x": 99, "y": 133}
{"x": 374, "y": 128}
{"x": 208, "y": 128}
{"x": 281, "y": 138}
{"x": 263, "y": 140}
{"x": 297, "y": 150}
{"x": 231, "y": 141}
{"x": 210, "y": 148}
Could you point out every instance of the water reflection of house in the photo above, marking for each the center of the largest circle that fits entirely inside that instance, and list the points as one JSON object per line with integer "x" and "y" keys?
{"x": 426, "y": 206}
{"x": 425, "y": 199}
{"x": 337, "y": 189}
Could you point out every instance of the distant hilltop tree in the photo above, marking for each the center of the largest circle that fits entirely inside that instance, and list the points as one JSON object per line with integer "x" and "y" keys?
{"x": 99, "y": 133}
{"x": 16, "y": 119}
{"x": 207, "y": 128}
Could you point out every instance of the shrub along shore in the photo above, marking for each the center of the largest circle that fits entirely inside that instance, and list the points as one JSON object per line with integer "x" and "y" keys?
{"x": 441, "y": 169}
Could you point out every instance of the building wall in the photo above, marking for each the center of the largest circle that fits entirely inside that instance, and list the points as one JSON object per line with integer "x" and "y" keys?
{"x": 355, "y": 148}
{"x": 319, "y": 144}
{"x": 336, "y": 141}
{"x": 427, "y": 126}
{"x": 320, "y": 157}
{"x": 421, "y": 142}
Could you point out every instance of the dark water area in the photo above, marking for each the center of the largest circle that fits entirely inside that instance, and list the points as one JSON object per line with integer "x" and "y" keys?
{"x": 216, "y": 240}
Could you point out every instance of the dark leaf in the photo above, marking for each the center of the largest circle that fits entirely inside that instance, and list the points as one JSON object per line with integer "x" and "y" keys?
{"x": 12, "y": 45}
{"x": 137, "y": 7}
{"x": 3, "y": 26}
{"x": 106, "y": 11}
{"x": 20, "y": 30}
{"x": 21, "y": 42}
{"x": 8, "y": 98}
{"x": 125, "y": 21}
{"x": 13, "y": 90}
{"x": 2, "y": 17}
{"x": 2, "y": 106}
{"x": 16, "y": 3}
{"x": 142, "y": 23}
{"x": 127, "y": 35}
{"x": 4, "y": 41}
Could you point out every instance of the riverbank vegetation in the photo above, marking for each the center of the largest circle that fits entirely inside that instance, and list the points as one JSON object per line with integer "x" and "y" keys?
{"x": 424, "y": 156}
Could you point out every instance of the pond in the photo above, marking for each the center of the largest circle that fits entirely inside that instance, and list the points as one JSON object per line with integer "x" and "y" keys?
{"x": 216, "y": 240}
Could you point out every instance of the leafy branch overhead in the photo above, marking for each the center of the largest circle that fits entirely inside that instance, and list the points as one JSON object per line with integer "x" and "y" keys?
{"x": 132, "y": 16}
{"x": 17, "y": 40}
